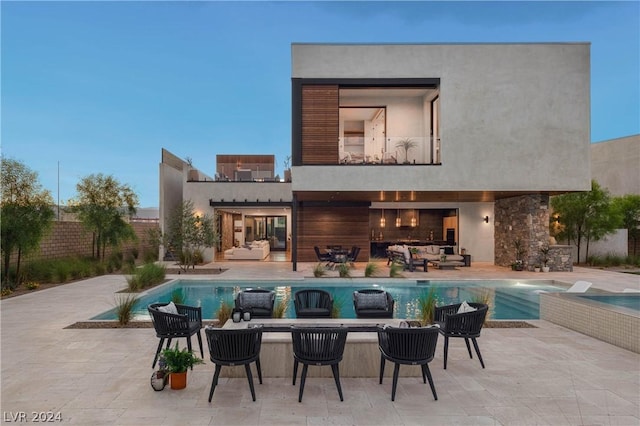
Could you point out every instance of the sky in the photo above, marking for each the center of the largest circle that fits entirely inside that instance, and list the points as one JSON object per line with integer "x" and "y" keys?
{"x": 102, "y": 87}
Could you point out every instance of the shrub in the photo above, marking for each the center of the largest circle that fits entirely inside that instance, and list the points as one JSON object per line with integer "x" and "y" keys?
{"x": 177, "y": 296}
{"x": 280, "y": 307}
{"x": 6, "y": 291}
{"x": 124, "y": 308}
{"x": 129, "y": 262}
{"x": 395, "y": 270}
{"x": 198, "y": 257}
{"x": 371, "y": 269}
{"x": 344, "y": 271}
{"x": 99, "y": 268}
{"x": 338, "y": 302}
{"x": 31, "y": 285}
{"x": 484, "y": 298}
{"x": 427, "y": 306}
{"x": 224, "y": 312}
{"x": 145, "y": 276}
{"x": 114, "y": 263}
{"x": 319, "y": 271}
{"x": 134, "y": 252}
{"x": 149, "y": 256}
{"x": 61, "y": 272}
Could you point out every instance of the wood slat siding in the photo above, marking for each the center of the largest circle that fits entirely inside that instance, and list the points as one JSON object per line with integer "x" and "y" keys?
{"x": 323, "y": 226}
{"x": 320, "y": 116}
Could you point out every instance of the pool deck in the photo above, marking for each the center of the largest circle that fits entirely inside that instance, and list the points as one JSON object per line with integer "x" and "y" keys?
{"x": 544, "y": 375}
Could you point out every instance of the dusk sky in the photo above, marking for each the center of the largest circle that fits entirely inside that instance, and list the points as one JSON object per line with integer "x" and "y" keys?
{"x": 102, "y": 87}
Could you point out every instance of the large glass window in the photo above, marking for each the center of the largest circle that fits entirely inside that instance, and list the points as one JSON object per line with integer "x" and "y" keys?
{"x": 271, "y": 228}
{"x": 389, "y": 126}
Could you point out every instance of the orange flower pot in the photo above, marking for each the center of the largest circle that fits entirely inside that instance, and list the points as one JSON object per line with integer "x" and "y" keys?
{"x": 178, "y": 380}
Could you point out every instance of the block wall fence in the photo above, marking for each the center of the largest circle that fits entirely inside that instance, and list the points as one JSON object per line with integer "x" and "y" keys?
{"x": 67, "y": 239}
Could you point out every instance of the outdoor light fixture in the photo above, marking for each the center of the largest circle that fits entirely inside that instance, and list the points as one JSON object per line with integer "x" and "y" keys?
{"x": 398, "y": 220}
{"x": 383, "y": 222}
{"x": 486, "y": 219}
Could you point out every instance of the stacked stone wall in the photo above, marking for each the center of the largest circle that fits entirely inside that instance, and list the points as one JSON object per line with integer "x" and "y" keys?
{"x": 524, "y": 218}
{"x": 67, "y": 239}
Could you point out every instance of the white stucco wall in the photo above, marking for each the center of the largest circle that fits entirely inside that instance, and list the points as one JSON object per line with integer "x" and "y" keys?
{"x": 615, "y": 244}
{"x": 615, "y": 164}
{"x": 512, "y": 115}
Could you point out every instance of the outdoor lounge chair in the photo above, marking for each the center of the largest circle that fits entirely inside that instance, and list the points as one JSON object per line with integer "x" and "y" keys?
{"x": 317, "y": 346}
{"x": 373, "y": 303}
{"x": 234, "y": 347}
{"x": 579, "y": 287}
{"x": 172, "y": 321}
{"x": 408, "y": 346}
{"x": 466, "y": 325}
{"x": 313, "y": 303}
{"x": 258, "y": 301}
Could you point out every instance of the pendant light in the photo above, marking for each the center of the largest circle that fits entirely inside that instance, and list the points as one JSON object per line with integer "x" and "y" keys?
{"x": 398, "y": 220}
{"x": 383, "y": 222}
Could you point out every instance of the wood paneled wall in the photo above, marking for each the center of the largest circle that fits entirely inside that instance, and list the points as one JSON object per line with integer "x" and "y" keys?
{"x": 323, "y": 226}
{"x": 320, "y": 124}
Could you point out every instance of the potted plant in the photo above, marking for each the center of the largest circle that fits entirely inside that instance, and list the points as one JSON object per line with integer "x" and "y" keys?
{"x": 177, "y": 362}
{"x": 544, "y": 258}
{"x": 193, "y": 173}
{"x": 406, "y": 144}
{"x": 287, "y": 168}
{"x": 536, "y": 268}
{"x": 518, "y": 265}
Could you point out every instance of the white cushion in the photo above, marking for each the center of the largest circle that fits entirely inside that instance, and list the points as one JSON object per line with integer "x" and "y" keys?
{"x": 169, "y": 309}
{"x": 433, "y": 249}
{"x": 405, "y": 251}
{"x": 464, "y": 307}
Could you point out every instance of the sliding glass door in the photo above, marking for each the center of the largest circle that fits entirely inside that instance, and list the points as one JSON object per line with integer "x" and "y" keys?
{"x": 270, "y": 228}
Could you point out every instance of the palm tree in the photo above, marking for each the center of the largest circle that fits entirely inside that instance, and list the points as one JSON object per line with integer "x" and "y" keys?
{"x": 406, "y": 144}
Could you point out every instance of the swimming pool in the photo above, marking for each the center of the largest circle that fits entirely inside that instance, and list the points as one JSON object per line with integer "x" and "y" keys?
{"x": 508, "y": 299}
{"x": 629, "y": 301}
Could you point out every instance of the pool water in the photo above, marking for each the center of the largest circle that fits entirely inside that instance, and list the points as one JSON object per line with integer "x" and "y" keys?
{"x": 508, "y": 299}
{"x": 629, "y": 301}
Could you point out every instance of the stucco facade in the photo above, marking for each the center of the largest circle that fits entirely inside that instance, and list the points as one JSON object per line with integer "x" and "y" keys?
{"x": 486, "y": 123}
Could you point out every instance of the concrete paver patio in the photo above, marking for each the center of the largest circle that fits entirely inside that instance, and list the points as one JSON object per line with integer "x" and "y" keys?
{"x": 544, "y": 375}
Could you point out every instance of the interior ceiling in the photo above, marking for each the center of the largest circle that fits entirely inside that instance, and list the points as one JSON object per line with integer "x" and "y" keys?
{"x": 408, "y": 196}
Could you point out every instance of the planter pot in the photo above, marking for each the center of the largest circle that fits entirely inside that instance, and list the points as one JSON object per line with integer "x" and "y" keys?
{"x": 545, "y": 269}
{"x": 178, "y": 380}
{"x": 536, "y": 269}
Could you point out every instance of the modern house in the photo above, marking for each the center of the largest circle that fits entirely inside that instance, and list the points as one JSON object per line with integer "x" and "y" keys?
{"x": 450, "y": 144}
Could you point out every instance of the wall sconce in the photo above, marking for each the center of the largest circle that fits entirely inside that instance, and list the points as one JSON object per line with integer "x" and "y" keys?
{"x": 398, "y": 220}
{"x": 486, "y": 219}
{"x": 383, "y": 221}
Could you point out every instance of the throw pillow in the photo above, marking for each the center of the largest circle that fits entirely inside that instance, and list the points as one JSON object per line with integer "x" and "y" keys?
{"x": 371, "y": 300}
{"x": 433, "y": 249}
{"x": 256, "y": 300}
{"x": 464, "y": 307}
{"x": 169, "y": 309}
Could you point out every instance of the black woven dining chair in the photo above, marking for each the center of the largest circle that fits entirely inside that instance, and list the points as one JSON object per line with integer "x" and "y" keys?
{"x": 408, "y": 346}
{"x": 232, "y": 347}
{"x": 186, "y": 322}
{"x": 318, "y": 346}
{"x": 466, "y": 325}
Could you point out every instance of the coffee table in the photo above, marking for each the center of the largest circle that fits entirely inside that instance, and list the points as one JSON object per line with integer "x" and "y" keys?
{"x": 446, "y": 265}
